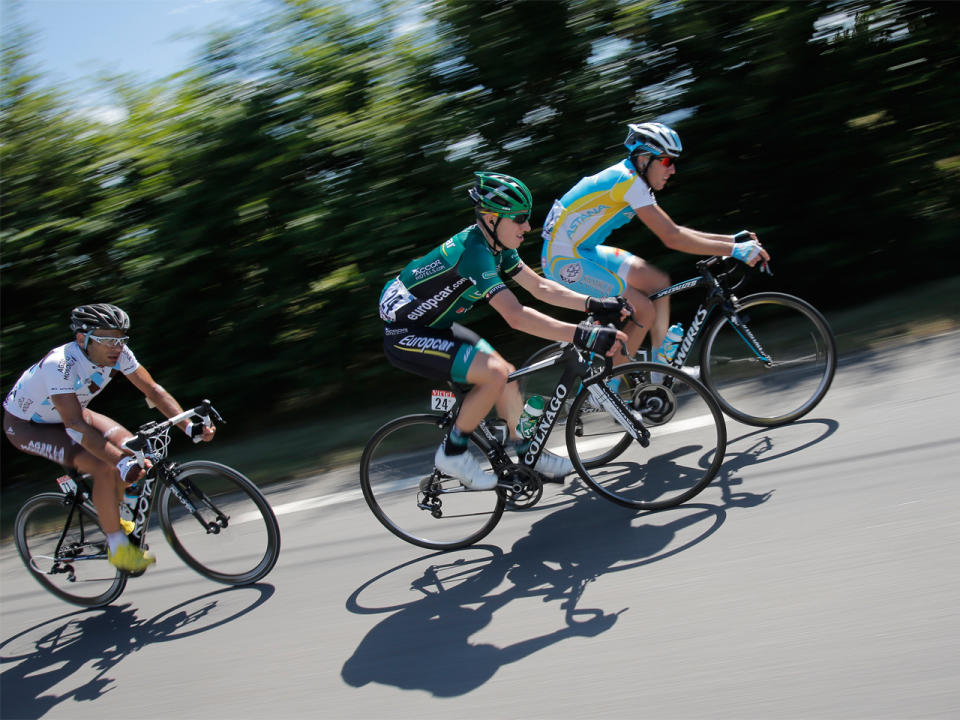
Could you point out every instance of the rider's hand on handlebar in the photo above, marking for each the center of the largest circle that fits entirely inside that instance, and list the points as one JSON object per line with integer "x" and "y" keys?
{"x": 599, "y": 339}
{"x": 200, "y": 432}
{"x": 610, "y": 309}
{"x": 747, "y": 248}
{"x": 130, "y": 470}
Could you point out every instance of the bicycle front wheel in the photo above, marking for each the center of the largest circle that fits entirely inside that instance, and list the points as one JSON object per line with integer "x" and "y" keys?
{"x": 221, "y": 525}
{"x": 65, "y": 550}
{"x": 412, "y": 499}
{"x": 772, "y": 362}
{"x": 688, "y": 438}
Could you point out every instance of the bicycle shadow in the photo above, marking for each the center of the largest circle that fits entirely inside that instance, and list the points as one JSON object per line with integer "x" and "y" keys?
{"x": 766, "y": 445}
{"x": 426, "y": 643}
{"x": 52, "y": 653}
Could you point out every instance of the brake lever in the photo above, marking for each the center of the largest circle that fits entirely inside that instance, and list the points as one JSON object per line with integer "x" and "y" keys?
{"x": 765, "y": 268}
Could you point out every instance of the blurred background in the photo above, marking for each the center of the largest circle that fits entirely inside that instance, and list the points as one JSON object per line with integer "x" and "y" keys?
{"x": 247, "y": 208}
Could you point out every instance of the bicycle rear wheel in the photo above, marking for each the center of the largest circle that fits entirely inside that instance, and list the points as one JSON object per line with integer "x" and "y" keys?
{"x": 802, "y": 356}
{"x": 688, "y": 439}
{"x": 412, "y": 499}
{"x": 231, "y": 534}
{"x": 65, "y": 550}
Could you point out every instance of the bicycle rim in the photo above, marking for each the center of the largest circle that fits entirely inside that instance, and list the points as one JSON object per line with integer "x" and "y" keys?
{"x": 234, "y": 537}
{"x": 687, "y": 439}
{"x": 76, "y": 569}
{"x": 412, "y": 500}
{"x": 802, "y": 350}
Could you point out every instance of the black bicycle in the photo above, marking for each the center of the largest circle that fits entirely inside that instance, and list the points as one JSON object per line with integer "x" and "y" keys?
{"x": 768, "y": 358}
{"x": 215, "y": 519}
{"x": 638, "y": 444}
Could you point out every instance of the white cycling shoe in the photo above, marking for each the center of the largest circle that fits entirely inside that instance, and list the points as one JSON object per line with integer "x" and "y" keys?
{"x": 554, "y": 467}
{"x": 465, "y": 468}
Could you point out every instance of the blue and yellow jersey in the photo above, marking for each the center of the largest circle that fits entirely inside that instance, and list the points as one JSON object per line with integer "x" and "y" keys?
{"x": 593, "y": 208}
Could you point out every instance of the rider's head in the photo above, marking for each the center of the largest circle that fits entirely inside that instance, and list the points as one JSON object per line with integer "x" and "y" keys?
{"x": 105, "y": 325}
{"x": 653, "y": 148}
{"x": 498, "y": 197}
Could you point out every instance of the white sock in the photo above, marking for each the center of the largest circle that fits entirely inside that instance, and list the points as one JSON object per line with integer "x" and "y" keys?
{"x": 116, "y": 539}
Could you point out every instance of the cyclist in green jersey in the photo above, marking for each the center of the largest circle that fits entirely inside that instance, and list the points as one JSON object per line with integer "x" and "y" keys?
{"x": 421, "y": 305}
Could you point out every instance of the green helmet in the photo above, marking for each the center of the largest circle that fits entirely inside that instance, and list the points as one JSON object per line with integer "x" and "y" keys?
{"x": 502, "y": 195}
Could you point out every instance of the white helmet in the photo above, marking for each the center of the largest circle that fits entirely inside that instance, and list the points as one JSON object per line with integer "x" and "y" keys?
{"x": 654, "y": 138}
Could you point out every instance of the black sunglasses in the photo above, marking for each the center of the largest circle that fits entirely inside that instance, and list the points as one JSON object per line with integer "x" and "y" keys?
{"x": 519, "y": 219}
{"x": 667, "y": 161}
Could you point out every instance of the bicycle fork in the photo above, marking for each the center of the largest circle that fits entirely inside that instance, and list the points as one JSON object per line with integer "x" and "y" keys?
{"x": 614, "y": 404}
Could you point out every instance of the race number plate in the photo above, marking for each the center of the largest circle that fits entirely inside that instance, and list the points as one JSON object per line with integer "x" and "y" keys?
{"x": 442, "y": 400}
{"x": 67, "y": 485}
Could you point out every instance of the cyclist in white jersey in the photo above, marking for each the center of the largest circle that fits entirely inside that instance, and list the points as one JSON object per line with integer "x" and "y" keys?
{"x": 580, "y": 222}
{"x": 46, "y": 414}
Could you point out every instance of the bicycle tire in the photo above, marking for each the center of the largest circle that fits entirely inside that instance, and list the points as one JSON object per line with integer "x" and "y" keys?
{"x": 687, "y": 444}
{"x": 240, "y": 541}
{"x": 398, "y": 461}
{"x": 37, "y": 530}
{"x": 804, "y": 352}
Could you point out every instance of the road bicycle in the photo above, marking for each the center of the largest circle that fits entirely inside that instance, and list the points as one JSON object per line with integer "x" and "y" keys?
{"x": 215, "y": 519}
{"x": 643, "y": 446}
{"x": 768, "y": 358}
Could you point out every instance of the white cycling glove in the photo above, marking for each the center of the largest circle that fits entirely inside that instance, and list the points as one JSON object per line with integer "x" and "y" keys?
{"x": 194, "y": 431}
{"x": 125, "y": 465}
{"x": 746, "y": 252}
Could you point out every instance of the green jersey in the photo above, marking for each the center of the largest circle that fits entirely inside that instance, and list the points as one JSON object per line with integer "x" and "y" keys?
{"x": 434, "y": 290}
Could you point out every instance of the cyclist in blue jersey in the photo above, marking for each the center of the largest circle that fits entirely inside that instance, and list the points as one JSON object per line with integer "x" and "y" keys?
{"x": 421, "y": 305}
{"x": 580, "y": 222}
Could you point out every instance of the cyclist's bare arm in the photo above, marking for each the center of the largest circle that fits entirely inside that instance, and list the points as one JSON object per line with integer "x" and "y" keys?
{"x": 533, "y": 322}
{"x": 162, "y": 400}
{"x": 683, "y": 239}
{"x": 70, "y": 411}
{"x": 549, "y": 291}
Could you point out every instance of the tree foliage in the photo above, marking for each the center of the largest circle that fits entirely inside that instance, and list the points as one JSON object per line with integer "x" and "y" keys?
{"x": 248, "y": 212}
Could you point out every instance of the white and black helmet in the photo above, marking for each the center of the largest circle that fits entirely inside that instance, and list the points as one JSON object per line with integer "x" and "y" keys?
{"x": 99, "y": 315}
{"x": 654, "y": 138}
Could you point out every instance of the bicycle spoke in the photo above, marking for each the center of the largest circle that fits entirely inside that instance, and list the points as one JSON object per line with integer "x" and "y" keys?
{"x": 802, "y": 353}
{"x": 411, "y": 499}
{"x": 66, "y": 552}
{"x": 687, "y": 439}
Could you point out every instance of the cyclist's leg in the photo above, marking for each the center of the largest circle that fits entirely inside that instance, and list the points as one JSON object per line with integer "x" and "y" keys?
{"x": 457, "y": 354}
{"x": 626, "y": 267}
{"x": 645, "y": 279}
{"x": 107, "y": 489}
{"x": 488, "y": 373}
{"x": 115, "y": 434}
{"x": 54, "y": 442}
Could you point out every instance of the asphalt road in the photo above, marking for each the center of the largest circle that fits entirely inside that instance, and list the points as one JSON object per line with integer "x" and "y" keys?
{"x": 816, "y": 578}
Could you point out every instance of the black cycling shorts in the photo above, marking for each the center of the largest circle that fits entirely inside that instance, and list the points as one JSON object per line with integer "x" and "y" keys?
{"x": 435, "y": 353}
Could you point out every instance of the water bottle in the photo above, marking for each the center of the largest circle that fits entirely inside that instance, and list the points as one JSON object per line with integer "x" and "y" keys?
{"x": 131, "y": 495}
{"x": 671, "y": 341}
{"x": 530, "y": 415}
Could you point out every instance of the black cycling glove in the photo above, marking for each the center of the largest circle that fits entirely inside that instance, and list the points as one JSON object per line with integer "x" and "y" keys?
{"x": 606, "y": 305}
{"x": 594, "y": 338}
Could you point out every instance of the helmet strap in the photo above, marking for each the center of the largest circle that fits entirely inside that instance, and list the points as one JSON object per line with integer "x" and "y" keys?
{"x": 491, "y": 233}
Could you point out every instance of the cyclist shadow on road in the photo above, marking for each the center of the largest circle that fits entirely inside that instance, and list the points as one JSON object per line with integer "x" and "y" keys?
{"x": 427, "y": 642}
{"x": 77, "y": 650}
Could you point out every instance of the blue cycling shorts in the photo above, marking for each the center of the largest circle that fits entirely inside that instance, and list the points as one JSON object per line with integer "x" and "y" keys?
{"x": 600, "y": 271}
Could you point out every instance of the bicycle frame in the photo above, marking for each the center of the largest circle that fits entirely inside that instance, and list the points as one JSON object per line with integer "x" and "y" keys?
{"x": 576, "y": 367}
{"x": 717, "y": 296}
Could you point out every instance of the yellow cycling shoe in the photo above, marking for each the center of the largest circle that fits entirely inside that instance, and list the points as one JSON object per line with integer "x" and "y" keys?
{"x": 130, "y": 558}
{"x": 127, "y": 526}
